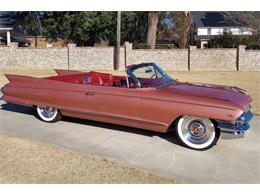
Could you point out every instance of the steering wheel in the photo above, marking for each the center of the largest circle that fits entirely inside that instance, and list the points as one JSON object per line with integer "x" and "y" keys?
{"x": 153, "y": 76}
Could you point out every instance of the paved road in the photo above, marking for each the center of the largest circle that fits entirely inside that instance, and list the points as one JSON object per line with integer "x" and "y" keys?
{"x": 231, "y": 161}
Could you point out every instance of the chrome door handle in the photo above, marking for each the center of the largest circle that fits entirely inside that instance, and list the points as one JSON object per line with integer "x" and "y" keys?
{"x": 89, "y": 93}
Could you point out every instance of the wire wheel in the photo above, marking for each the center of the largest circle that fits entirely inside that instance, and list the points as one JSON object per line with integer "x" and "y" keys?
{"x": 196, "y": 132}
{"x": 48, "y": 114}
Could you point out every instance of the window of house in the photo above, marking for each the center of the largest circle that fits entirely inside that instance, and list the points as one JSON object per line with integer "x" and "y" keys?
{"x": 209, "y": 31}
{"x": 241, "y": 31}
{"x": 226, "y": 30}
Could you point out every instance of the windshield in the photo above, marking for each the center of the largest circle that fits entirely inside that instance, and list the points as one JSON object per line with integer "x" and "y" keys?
{"x": 150, "y": 75}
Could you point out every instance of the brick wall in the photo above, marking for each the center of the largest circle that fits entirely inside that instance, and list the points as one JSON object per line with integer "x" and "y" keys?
{"x": 93, "y": 57}
{"x": 249, "y": 60}
{"x": 4, "y": 57}
{"x": 213, "y": 59}
{"x": 73, "y": 57}
{"x": 176, "y": 59}
{"x": 39, "y": 58}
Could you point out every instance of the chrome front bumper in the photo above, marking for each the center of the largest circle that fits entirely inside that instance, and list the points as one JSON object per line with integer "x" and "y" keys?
{"x": 239, "y": 126}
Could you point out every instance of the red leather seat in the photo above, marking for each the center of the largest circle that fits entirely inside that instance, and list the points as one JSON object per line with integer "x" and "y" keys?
{"x": 107, "y": 79}
{"x": 95, "y": 78}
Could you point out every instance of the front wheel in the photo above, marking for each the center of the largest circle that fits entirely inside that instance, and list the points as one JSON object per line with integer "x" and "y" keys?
{"x": 48, "y": 114}
{"x": 197, "y": 133}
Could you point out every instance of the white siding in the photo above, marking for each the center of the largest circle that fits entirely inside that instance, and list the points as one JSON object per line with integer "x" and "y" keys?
{"x": 202, "y": 31}
{"x": 219, "y": 31}
{"x": 216, "y": 31}
{"x": 236, "y": 31}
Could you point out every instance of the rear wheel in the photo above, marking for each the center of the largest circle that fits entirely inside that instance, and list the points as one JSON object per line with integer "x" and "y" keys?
{"x": 48, "y": 114}
{"x": 197, "y": 133}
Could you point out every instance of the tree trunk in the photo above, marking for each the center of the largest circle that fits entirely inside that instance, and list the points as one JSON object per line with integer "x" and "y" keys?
{"x": 36, "y": 40}
{"x": 185, "y": 32}
{"x": 153, "y": 19}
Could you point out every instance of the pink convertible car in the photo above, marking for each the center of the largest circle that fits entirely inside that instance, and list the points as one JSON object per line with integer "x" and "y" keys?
{"x": 146, "y": 97}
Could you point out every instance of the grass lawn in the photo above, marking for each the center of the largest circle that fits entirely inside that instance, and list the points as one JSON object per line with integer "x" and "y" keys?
{"x": 24, "y": 161}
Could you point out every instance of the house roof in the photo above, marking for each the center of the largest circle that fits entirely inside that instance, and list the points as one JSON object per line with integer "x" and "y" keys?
{"x": 215, "y": 19}
{"x": 7, "y": 19}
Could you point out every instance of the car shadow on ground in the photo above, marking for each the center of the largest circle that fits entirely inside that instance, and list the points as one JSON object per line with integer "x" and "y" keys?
{"x": 169, "y": 136}
{"x": 18, "y": 108}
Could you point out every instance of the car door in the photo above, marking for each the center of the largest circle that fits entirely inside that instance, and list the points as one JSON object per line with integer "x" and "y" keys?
{"x": 154, "y": 112}
{"x": 113, "y": 104}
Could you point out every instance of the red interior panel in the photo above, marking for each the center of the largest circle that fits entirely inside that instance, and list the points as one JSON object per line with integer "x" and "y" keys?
{"x": 92, "y": 78}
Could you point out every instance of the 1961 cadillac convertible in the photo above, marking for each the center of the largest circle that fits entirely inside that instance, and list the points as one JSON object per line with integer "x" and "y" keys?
{"x": 147, "y": 98}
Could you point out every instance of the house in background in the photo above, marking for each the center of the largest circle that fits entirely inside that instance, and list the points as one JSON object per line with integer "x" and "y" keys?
{"x": 207, "y": 25}
{"x": 7, "y": 22}
{"x": 9, "y": 31}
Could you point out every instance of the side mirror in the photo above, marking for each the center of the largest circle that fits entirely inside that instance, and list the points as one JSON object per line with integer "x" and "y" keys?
{"x": 148, "y": 71}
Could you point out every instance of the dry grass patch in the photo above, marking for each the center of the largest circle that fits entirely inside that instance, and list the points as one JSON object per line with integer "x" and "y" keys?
{"x": 23, "y": 161}
{"x": 26, "y": 72}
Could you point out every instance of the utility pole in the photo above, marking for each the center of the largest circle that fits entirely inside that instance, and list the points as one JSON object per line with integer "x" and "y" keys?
{"x": 118, "y": 36}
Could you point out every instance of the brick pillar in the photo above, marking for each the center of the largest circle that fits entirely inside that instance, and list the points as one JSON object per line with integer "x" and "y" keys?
{"x": 241, "y": 49}
{"x": 189, "y": 57}
{"x": 13, "y": 45}
{"x": 128, "y": 51}
{"x": 11, "y": 61}
{"x": 70, "y": 47}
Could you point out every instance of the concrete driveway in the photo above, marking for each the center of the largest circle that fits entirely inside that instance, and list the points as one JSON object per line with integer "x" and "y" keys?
{"x": 231, "y": 161}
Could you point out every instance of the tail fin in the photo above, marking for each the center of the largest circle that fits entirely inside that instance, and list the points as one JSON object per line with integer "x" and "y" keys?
{"x": 66, "y": 72}
{"x": 12, "y": 77}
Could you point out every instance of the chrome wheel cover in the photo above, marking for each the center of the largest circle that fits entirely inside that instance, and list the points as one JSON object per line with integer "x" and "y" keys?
{"x": 196, "y": 132}
{"x": 47, "y": 113}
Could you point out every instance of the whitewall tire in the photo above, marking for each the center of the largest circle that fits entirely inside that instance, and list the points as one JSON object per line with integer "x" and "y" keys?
{"x": 197, "y": 133}
{"x": 48, "y": 114}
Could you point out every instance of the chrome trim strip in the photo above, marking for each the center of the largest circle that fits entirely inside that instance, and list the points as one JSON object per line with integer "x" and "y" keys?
{"x": 240, "y": 125}
{"x": 119, "y": 118}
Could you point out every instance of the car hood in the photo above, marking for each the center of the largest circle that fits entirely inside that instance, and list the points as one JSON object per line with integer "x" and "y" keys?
{"x": 233, "y": 95}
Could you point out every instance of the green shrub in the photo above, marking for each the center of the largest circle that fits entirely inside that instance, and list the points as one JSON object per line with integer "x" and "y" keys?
{"x": 232, "y": 41}
{"x": 141, "y": 46}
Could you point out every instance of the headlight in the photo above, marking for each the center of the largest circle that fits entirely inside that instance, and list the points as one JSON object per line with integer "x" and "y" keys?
{"x": 247, "y": 108}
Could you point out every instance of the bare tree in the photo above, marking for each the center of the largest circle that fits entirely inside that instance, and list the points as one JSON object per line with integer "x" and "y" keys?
{"x": 248, "y": 19}
{"x": 245, "y": 19}
{"x": 253, "y": 21}
{"x": 153, "y": 19}
{"x": 182, "y": 28}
